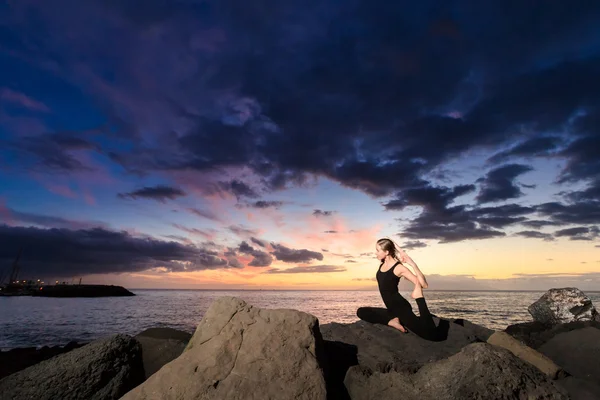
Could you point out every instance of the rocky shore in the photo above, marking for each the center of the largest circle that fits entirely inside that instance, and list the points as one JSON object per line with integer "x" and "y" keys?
{"x": 243, "y": 352}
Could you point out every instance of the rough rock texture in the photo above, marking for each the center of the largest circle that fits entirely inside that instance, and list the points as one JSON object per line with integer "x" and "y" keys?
{"x": 383, "y": 348}
{"x": 243, "y": 352}
{"x": 535, "y": 334}
{"x": 161, "y": 346}
{"x": 103, "y": 369}
{"x": 560, "y": 306}
{"x": 479, "y": 371}
{"x": 527, "y": 354}
{"x": 17, "y": 359}
{"x": 578, "y": 352}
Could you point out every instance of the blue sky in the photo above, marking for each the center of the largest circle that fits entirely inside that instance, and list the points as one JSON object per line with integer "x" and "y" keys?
{"x": 228, "y": 144}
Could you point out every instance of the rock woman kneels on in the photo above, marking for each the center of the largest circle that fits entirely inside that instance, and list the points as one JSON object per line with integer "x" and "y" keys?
{"x": 398, "y": 312}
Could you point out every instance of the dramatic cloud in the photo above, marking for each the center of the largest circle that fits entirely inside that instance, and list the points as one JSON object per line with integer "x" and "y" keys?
{"x": 535, "y": 235}
{"x": 286, "y": 254}
{"x": 307, "y": 270}
{"x": 579, "y": 233}
{"x": 66, "y": 253}
{"x": 265, "y": 204}
{"x": 499, "y": 183}
{"x": 160, "y": 193}
{"x": 261, "y": 258}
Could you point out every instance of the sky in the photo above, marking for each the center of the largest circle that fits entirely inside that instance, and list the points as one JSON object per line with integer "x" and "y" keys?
{"x": 267, "y": 145}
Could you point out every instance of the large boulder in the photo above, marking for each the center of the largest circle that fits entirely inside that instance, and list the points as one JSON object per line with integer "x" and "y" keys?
{"x": 383, "y": 348}
{"x": 578, "y": 352}
{"x": 243, "y": 352}
{"x": 161, "y": 346}
{"x": 14, "y": 360}
{"x": 101, "y": 370}
{"x": 479, "y": 371}
{"x": 559, "y": 306}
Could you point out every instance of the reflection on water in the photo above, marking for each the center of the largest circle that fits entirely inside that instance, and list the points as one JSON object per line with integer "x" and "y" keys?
{"x": 38, "y": 321}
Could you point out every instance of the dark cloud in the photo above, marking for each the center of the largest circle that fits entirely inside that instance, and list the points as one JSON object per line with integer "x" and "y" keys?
{"x": 330, "y": 232}
{"x": 49, "y": 153}
{"x": 579, "y": 233}
{"x": 535, "y": 235}
{"x": 499, "y": 185}
{"x": 321, "y": 213}
{"x": 312, "y": 269}
{"x": 350, "y": 261}
{"x": 583, "y": 212}
{"x": 160, "y": 193}
{"x": 259, "y": 242}
{"x": 47, "y": 221}
{"x": 66, "y": 253}
{"x": 265, "y": 204}
{"x": 261, "y": 258}
{"x": 536, "y": 223}
{"x": 537, "y": 146}
{"x": 286, "y": 254}
{"x": 417, "y": 244}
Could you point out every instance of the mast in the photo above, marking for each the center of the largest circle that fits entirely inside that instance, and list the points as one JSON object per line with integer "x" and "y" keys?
{"x": 14, "y": 274}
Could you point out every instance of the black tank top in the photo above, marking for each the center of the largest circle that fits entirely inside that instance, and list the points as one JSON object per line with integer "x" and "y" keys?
{"x": 388, "y": 281}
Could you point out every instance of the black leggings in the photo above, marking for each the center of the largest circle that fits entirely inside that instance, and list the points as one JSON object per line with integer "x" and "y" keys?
{"x": 422, "y": 325}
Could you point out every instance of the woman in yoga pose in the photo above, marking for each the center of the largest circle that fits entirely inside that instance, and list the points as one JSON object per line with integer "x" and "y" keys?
{"x": 398, "y": 313}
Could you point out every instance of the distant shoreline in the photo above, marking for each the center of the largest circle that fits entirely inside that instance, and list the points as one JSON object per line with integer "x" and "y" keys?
{"x": 349, "y": 290}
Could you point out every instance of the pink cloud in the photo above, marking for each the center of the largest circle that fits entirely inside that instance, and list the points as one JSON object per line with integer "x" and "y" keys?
{"x": 22, "y": 100}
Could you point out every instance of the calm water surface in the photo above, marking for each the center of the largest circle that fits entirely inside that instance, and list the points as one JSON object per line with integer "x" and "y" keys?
{"x": 38, "y": 321}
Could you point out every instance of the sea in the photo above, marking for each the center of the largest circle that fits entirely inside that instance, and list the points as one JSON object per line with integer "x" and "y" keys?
{"x": 41, "y": 321}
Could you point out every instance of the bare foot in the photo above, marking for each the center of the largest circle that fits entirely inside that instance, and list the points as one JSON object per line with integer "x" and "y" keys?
{"x": 395, "y": 323}
{"x": 418, "y": 292}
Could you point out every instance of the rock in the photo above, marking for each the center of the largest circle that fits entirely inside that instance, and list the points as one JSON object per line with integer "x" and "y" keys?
{"x": 578, "y": 352}
{"x": 535, "y": 334}
{"x": 479, "y": 371}
{"x": 527, "y": 354}
{"x": 383, "y": 348}
{"x": 103, "y": 369}
{"x": 559, "y": 306}
{"x": 161, "y": 346}
{"x": 243, "y": 352}
{"x": 18, "y": 359}
{"x": 580, "y": 389}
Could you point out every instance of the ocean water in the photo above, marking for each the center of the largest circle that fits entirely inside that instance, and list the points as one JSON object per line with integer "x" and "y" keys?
{"x": 39, "y": 321}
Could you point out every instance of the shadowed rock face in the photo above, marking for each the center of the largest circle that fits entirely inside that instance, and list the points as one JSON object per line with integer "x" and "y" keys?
{"x": 161, "y": 346}
{"x": 244, "y": 352}
{"x": 561, "y": 306}
{"x": 101, "y": 370}
{"x": 383, "y": 348}
{"x": 479, "y": 371}
{"x": 15, "y": 360}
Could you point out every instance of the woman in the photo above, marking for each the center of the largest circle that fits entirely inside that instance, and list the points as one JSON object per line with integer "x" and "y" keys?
{"x": 399, "y": 312}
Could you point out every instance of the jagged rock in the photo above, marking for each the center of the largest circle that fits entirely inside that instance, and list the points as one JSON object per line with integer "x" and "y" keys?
{"x": 478, "y": 372}
{"x": 18, "y": 359}
{"x": 243, "y": 352}
{"x": 527, "y": 354}
{"x": 383, "y": 348}
{"x": 560, "y": 306}
{"x": 578, "y": 352}
{"x": 101, "y": 370}
{"x": 161, "y": 346}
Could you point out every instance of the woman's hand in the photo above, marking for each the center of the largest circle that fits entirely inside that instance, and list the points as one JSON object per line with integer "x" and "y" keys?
{"x": 402, "y": 256}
